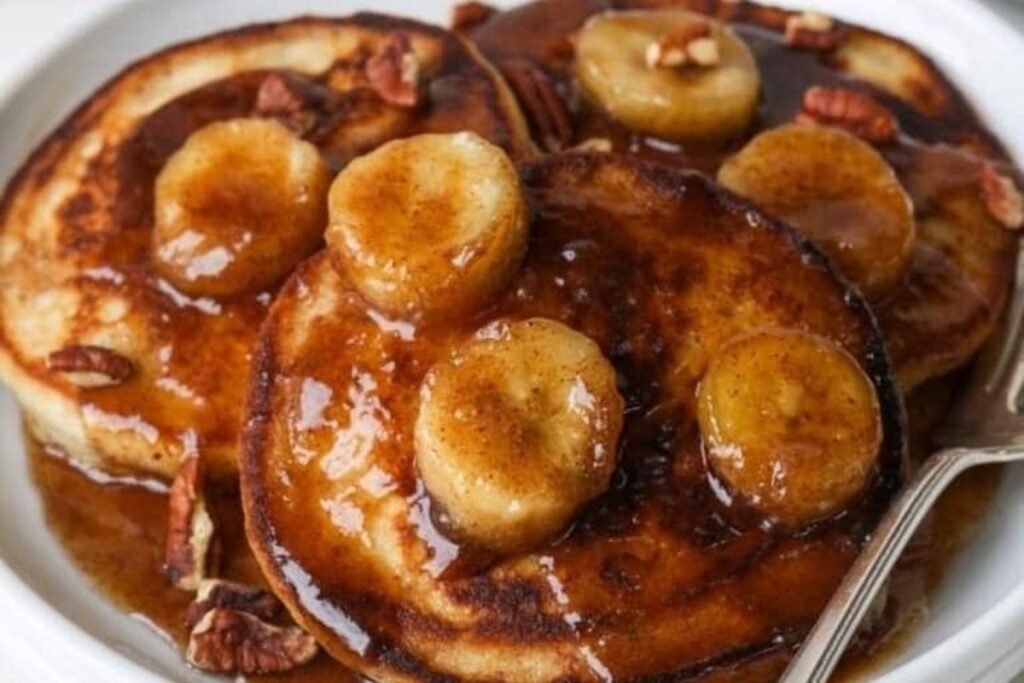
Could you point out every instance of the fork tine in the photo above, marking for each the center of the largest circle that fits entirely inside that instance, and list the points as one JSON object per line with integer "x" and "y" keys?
{"x": 989, "y": 411}
{"x": 1011, "y": 347}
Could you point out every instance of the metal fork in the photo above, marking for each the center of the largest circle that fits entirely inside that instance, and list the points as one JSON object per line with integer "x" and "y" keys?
{"x": 986, "y": 426}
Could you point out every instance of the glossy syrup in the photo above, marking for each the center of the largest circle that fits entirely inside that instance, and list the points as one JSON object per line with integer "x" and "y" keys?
{"x": 113, "y": 531}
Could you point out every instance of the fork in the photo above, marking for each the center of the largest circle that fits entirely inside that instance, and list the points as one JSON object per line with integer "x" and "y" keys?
{"x": 986, "y": 426}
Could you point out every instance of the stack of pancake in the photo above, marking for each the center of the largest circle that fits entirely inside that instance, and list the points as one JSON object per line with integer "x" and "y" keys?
{"x": 571, "y": 344}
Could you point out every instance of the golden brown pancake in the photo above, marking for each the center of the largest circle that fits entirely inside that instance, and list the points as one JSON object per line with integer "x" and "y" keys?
{"x": 660, "y": 578}
{"x": 76, "y": 223}
{"x": 959, "y": 275}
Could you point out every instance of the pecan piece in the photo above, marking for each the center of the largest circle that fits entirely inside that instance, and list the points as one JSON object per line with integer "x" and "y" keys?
{"x": 691, "y": 45}
{"x": 189, "y": 552}
{"x": 468, "y": 15}
{"x": 814, "y": 31}
{"x": 394, "y": 72}
{"x": 219, "y": 593}
{"x": 91, "y": 366}
{"x": 1003, "y": 197}
{"x": 230, "y": 641}
{"x": 855, "y": 112}
{"x": 301, "y": 104}
{"x": 279, "y": 98}
{"x": 544, "y": 107}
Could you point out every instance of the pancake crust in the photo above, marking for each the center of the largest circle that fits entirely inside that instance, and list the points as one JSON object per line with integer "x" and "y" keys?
{"x": 75, "y": 228}
{"x": 659, "y": 579}
{"x": 958, "y": 281}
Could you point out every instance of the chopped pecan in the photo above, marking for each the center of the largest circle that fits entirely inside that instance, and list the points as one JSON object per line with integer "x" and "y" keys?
{"x": 230, "y": 641}
{"x": 855, "y": 112}
{"x": 91, "y": 366}
{"x": 814, "y": 31}
{"x": 218, "y": 593}
{"x": 301, "y": 104}
{"x": 544, "y": 107}
{"x": 394, "y": 72}
{"x": 468, "y": 15}
{"x": 189, "y": 552}
{"x": 278, "y": 99}
{"x": 690, "y": 45}
{"x": 1002, "y": 197}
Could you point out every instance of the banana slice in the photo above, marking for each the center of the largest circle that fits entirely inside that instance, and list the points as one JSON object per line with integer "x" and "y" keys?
{"x": 432, "y": 225}
{"x": 791, "y": 424}
{"x": 516, "y": 431}
{"x": 838, "y": 191}
{"x": 237, "y": 206}
{"x": 895, "y": 67}
{"x": 710, "y": 94}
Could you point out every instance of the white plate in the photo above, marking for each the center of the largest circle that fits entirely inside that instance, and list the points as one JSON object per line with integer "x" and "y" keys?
{"x": 53, "y": 627}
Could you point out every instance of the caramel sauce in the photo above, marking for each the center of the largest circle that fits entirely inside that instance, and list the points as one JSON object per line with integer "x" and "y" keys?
{"x": 114, "y": 533}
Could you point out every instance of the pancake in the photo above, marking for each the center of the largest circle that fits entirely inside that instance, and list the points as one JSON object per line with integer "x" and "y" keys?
{"x": 957, "y": 283}
{"x": 81, "y": 303}
{"x": 662, "y": 577}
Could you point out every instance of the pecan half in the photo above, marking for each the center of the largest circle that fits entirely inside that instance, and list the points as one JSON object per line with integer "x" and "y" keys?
{"x": 218, "y": 593}
{"x": 1002, "y": 197}
{"x": 468, "y": 15}
{"x": 691, "y": 45}
{"x": 230, "y": 641}
{"x": 189, "y": 552}
{"x": 814, "y": 31}
{"x": 91, "y": 366}
{"x": 855, "y": 112}
{"x": 394, "y": 72}
{"x": 545, "y": 108}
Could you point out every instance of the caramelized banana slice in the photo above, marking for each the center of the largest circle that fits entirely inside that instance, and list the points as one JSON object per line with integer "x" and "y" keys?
{"x": 838, "y": 191}
{"x": 428, "y": 226}
{"x": 237, "y": 206}
{"x": 894, "y": 67}
{"x": 671, "y": 73}
{"x": 518, "y": 430}
{"x": 790, "y": 423}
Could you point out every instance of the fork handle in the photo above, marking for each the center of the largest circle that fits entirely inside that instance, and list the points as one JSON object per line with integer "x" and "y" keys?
{"x": 827, "y": 641}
